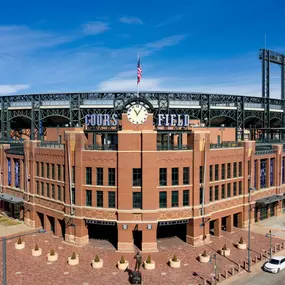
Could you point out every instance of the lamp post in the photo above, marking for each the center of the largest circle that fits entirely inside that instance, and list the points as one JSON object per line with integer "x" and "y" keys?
{"x": 270, "y": 235}
{"x": 4, "y": 254}
{"x": 215, "y": 267}
{"x": 249, "y": 220}
{"x": 222, "y": 128}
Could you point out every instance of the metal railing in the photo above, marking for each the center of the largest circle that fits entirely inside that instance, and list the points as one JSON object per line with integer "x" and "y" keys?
{"x": 18, "y": 150}
{"x": 278, "y": 141}
{"x": 224, "y": 145}
{"x": 173, "y": 147}
{"x": 102, "y": 147}
{"x": 52, "y": 145}
{"x": 265, "y": 151}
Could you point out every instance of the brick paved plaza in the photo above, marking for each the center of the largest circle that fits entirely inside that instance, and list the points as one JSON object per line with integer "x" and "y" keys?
{"x": 23, "y": 268}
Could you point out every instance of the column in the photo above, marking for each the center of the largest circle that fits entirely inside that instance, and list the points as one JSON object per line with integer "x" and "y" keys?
{"x": 81, "y": 236}
{"x": 47, "y": 223}
{"x": 12, "y": 172}
{"x": 218, "y": 227}
{"x": 257, "y": 174}
{"x": 198, "y": 233}
{"x": 57, "y": 228}
{"x": 149, "y": 241}
{"x": 125, "y": 238}
{"x": 229, "y": 223}
{"x": 22, "y": 175}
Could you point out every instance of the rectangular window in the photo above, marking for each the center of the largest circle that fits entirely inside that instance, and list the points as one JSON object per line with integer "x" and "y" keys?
{"x": 185, "y": 197}
{"x": 216, "y": 192}
{"x": 89, "y": 175}
{"x": 99, "y": 198}
{"x": 263, "y": 173}
{"x": 89, "y": 198}
{"x": 137, "y": 177}
{"x": 235, "y": 189}
{"x": 137, "y": 200}
{"x": 42, "y": 169}
{"x": 272, "y": 165}
{"x": 174, "y": 199}
{"x": 58, "y": 193}
{"x": 162, "y": 176}
{"x": 17, "y": 173}
{"x": 223, "y": 191}
{"x": 201, "y": 174}
{"x": 52, "y": 171}
{"x": 201, "y": 195}
{"x": 52, "y": 191}
{"x": 163, "y": 199}
{"x": 9, "y": 171}
{"x": 112, "y": 199}
{"x": 43, "y": 188}
{"x": 240, "y": 169}
{"x": 283, "y": 176}
{"x": 186, "y": 173}
{"x": 223, "y": 171}
{"x": 99, "y": 176}
{"x": 211, "y": 194}
{"x": 48, "y": 170}
{"x": 73, "y": 174}
{"x": 37, "y": 169}
{"x": 235, "y": 170}
{"x": 229, "y": 190}
{"x": 73, "y": 196}
{"x": 38, "y": 188}
{"x": 211, "y": 172}
{"x": 48, "y": 194}
{"x": 59, "y": 172}
{"x": 229, "y": 171}
{"x": 111, "y": 176}
{"x": 216, "y": 172}
{"x": 240, "y": 187}
{"x": 175, "y": 176}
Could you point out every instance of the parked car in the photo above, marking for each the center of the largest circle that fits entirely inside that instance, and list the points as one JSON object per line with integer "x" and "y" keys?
{"x": 275, "y": 265}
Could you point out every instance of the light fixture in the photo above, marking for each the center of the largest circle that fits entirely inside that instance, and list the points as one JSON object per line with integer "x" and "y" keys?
{"x": 149, "y": 227}
{"x": 125, "y": 227}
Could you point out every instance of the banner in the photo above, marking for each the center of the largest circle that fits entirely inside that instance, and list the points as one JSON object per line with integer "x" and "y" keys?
{"x": 17, "y": 174}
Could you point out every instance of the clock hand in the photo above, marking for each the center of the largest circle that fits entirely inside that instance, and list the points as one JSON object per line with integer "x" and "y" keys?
{"x": 139, "y": 110}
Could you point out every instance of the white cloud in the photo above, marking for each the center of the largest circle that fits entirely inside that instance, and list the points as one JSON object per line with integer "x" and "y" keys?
{"x": 131, "y": 20}
{"x": 95, "y": 28}
{"x": 170, "y": 21}
{"x": 165, "y": 42}
{"x": 10, "y": 89}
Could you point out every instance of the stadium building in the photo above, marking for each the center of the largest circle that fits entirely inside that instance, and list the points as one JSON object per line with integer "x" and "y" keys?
{"x": 132, "y": 169}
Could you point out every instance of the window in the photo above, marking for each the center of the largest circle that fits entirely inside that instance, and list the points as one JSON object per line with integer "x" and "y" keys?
{"x": 48, "y": 170}
{"x": 211, "y": 194}
{"x": 228, "y": 190}
{"x": 174, "y": 199}
{"x": 73, "y": 196}
{"x": 38, "y": 188}
{"x": 59, "y": 172}
{"x": 99, "y": 176}
{"x": 240, "y": 169}
{"x": 73, "y": 174}
{"x": 137, "y": 177}
{"x": 216, "y": 192}
{"x": 89, "y": 198}
{"x": 17, "y": 173}
{"x": 263, "y": 173}
{"x": 240, "y": 188}
{"x": 52, "y": 191}
{"x": 185, "y": 197}
{"x": 175, "y": 176}
{"x": 211, "y": 173}
{"x": 52, "y": 172}
{"x": 58, "y": 193}
{"x": 162, "y": 176}
{"x": 99, "y": 198}
{"x": 89, "y": 175}
{"x": 272, "y": 166}
{"x": 37, "y": 169}
{"x": 223, "y": 191}
{"x": 235, "y": 170}
{"x": 42, "y": 169}
{"x": 201, "y": 174}
{"x": 186, "y": 175}
{"x": 137, "y": 200}
{"x": 201, "y": 195}
{"x": 43, "y": 188}
{"x": 162, "y": 199}
{"x": 223, "y": 171}
{"x": 235, "y": 189}
{"x": 229, "y": 171}
{"x": 111, "y": 199}
{"x": 9, "y": 171}
{"x": 216, "y": 172}
{"x": 48, "y": 190}
{"x": 111, "y": 177}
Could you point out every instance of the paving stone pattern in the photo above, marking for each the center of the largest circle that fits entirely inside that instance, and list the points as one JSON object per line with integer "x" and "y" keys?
{"x": 23, "y": 268}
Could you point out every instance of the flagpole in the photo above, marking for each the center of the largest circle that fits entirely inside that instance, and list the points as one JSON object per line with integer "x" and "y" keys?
{"x": 137, "y": 78}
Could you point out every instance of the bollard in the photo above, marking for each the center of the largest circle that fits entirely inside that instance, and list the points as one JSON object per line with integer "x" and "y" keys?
{"x": 256, "y": 259}
{"x": 219, "y": 277}
{"x": 205, "y": 282}
{"x": 233, "y": 271}
{"x": 239, "y": 267}
{"x": 226, "y": 274}
{"x": 244, "y": 264}
{"x": 213, "y": 281}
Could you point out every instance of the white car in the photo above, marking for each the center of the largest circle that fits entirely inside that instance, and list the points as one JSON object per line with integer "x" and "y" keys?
{"x": 275, "y": 265}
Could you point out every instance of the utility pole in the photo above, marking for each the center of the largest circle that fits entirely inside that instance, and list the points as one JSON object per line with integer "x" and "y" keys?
{"x": 270, "y": 235}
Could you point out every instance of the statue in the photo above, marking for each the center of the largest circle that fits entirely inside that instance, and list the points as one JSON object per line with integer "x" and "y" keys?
{"x": 138, "y": 259}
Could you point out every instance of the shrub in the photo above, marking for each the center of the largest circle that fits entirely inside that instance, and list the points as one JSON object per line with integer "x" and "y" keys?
{"x": 225, "y": 247}
{"x": 174, "y": 258}
{"x": 52, "y": 252}
{"x": 97, "y": 259}
{"x": 241, "y": 240}
{"x": 36, "y": 247}
{"x": 148, "y": 259}
{"x": 122, "y": 261}
{"x": 73, "y": 256}
{"x": 204, "y": 254}
{"x": 19, "y": 240}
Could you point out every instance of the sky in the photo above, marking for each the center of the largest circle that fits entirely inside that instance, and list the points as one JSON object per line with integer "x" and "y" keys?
{"x": 191, "y": 46}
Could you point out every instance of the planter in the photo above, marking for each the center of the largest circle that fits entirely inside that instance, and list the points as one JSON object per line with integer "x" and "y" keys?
{"x": 241, "y": 245}
{"x": 123, "y": 266}
{"x": 204, "y": 259}
{"x": 52, "y": 258}
{"x": 37, "y": 252}
{"x": 174, "y": 264}
{"x": 149, "y": 266}
{"x": 73, "y": 261}
{"x": 98, "y": 264}
{"x": 20, "y": 245}
{"x": 226, "y": 252}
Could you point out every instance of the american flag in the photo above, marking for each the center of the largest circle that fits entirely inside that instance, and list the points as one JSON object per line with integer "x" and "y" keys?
{"x": 139, "y": 71}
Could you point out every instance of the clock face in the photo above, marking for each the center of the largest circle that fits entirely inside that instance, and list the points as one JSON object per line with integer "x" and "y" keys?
{"x": 137, "y": 114}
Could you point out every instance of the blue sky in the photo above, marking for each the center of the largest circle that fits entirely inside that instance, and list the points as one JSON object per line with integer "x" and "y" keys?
{"x": 195, "y": 46}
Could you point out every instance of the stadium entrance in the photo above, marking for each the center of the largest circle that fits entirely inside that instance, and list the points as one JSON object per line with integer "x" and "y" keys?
{"x": 102, "y": 230}
{"x": 170, "y": 229}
